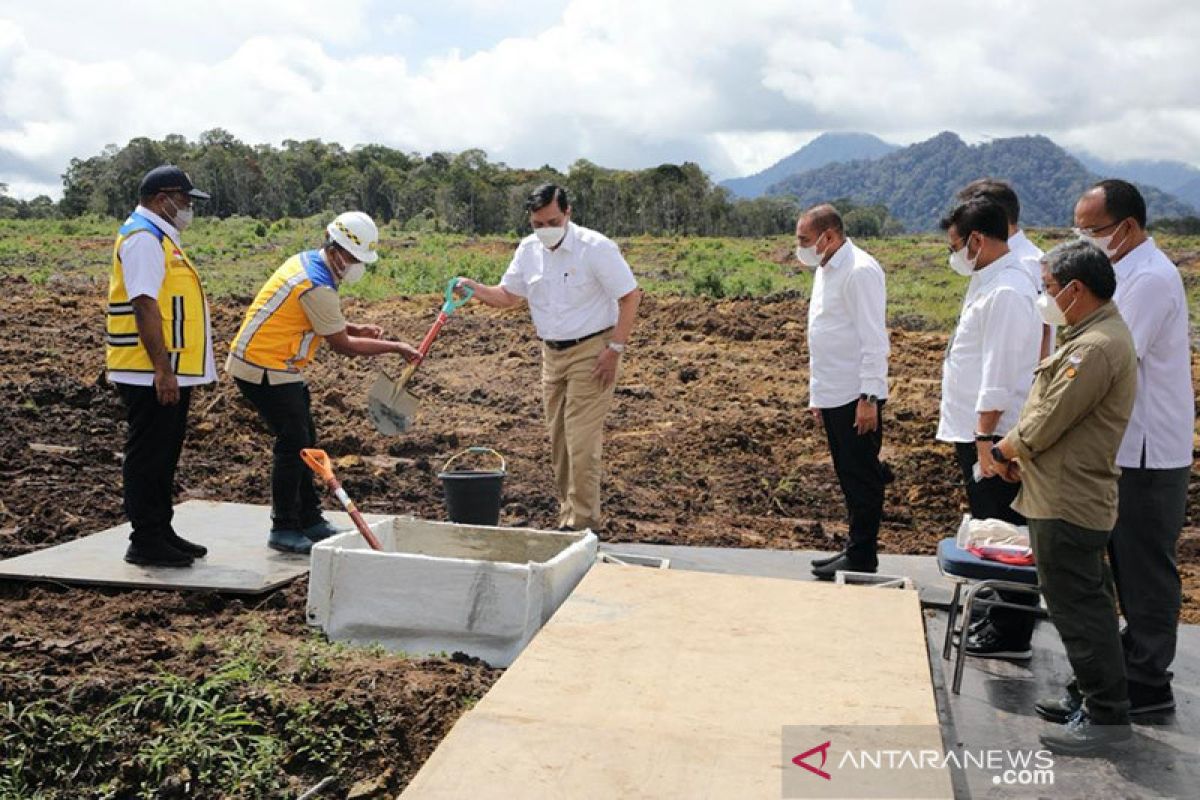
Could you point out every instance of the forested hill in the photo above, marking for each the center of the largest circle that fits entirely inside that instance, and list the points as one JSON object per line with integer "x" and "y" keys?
{"x": 917, "y": 182}
{"x": 467, "y": 193}
{"x": 461, "y": 192}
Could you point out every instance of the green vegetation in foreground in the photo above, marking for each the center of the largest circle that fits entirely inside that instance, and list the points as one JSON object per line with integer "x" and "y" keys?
{"x": 236, "y": 254}
{"x": 245, "y": 724}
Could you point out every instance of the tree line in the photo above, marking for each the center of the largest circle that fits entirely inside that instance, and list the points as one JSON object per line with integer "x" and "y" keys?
{"x": 452, "y": 192}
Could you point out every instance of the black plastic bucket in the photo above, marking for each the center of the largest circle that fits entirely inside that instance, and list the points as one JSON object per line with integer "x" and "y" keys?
{"x": 473, "y": 495}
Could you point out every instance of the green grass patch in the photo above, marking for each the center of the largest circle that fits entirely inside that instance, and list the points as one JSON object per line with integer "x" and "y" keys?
{"x": 236, "y": 255}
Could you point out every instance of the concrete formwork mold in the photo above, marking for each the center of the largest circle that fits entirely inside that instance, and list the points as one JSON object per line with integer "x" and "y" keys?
{"x": 441, "y": 587}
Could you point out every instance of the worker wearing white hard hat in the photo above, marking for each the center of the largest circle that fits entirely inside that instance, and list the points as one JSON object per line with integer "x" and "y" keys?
{"x": 295, "y": 310}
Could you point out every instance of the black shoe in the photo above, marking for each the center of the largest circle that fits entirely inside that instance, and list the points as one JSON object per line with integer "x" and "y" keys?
{"x": 184, "y": 546}
{"x": 1059, "y": 710}
{"x": 841, "y": 563}
{"x": 1083, "y": 736}
{"x": 824, "y": 560}
{"x": 156, "y": 553}
{"x": 1147, "y": 699}
{"x": 989, "y": 644}
{"x": 974, "y": 629}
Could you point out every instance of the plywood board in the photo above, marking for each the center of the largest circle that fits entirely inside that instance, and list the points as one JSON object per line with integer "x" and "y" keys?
{"x": 238, "y": 559}
{"x": 657, "y": 683}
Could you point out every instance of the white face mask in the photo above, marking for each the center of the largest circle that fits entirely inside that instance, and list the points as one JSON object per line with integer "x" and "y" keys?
{"x": 808, "y": 256}
{"x": 549, "y": 237}
{"x": 1103, "y": 242}
{"x": 960, "y": 263}
{"x": 1048, "y": 307}
{"x": 182, "y": 217}
{"x": 354, "y": 272}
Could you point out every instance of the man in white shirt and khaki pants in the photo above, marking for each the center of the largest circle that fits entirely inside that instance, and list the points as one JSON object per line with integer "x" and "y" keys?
{"x": 848, "y": 352}
{"x": 583, "y": 299}
{"x": 1155, "y": 456}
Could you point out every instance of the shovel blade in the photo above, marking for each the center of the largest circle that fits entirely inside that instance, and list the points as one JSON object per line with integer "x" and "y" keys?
{"x": 392, "y": 408}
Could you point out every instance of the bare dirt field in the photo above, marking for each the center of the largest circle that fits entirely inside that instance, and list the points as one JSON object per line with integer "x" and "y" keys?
{"x": 709, "y": 443}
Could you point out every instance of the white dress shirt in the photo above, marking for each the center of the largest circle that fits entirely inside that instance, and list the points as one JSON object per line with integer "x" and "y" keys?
{"x": 847, "y": 329}
{"x": 572, "y": 290}
{"x": 1150, "y": 297}
{"x": 143, "y": 268}
{"x": 990, "y": 360}
{"x": 1029, "y": 254}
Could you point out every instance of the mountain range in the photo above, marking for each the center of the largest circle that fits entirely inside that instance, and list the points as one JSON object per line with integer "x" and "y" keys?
{"x": 917, "y": 183}
{"x": 828, "y": 148}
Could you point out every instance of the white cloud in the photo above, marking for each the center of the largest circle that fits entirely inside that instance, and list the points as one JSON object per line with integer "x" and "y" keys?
{"x": 623, "y": 83}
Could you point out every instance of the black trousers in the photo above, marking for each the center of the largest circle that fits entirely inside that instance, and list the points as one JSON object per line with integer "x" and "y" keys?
{"x": 861, "y": 476}
{"x": 1151, "y": 508}
{"x": 287, "y": 410}
{"x": 153, "y": 443}
{"x": 991, "y": 498}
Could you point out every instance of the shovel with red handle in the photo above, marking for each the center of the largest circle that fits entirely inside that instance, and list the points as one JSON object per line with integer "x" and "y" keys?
{"x": 318, "y": 462}
{"x": 392, "y": 407}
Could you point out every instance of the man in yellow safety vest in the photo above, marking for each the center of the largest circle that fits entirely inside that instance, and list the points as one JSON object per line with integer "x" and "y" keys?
{"x": 158, "y": 347}
{"x": 295, "y": 310}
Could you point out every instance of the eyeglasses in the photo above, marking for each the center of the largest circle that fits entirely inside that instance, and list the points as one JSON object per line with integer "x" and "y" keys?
{"x": 1093, "y": 231}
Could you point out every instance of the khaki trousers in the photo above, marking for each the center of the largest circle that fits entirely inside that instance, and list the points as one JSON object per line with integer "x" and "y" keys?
{"x": 576, "y": 404}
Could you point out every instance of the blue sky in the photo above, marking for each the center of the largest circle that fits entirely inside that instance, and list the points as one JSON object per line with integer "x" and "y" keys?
{"x": 623, "y": 83}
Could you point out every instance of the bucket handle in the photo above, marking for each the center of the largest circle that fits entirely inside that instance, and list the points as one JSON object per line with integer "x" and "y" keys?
{"x": 456, "y": 456}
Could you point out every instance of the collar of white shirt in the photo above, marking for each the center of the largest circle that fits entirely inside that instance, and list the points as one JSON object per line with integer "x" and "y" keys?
{"x": 162, "y": 224}
{"x": 844, "y": 254}
{"x": 1134, "y": 257}
{"x": 983, "y": 277}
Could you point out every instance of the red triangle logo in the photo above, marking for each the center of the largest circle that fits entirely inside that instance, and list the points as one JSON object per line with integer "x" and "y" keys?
{"x": 823, "y": 749}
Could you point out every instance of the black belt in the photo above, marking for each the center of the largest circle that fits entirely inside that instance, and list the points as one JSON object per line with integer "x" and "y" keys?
{"x": 566, "y": 344}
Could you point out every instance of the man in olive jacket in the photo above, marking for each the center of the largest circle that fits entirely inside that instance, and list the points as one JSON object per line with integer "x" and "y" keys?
{"x": 1064, "y": 450}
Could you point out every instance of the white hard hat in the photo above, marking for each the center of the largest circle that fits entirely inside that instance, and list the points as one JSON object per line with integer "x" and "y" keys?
{"x": 356, "y": 232}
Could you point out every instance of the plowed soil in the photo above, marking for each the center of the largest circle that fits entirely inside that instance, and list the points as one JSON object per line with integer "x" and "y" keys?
{"x": 709, "y": 443}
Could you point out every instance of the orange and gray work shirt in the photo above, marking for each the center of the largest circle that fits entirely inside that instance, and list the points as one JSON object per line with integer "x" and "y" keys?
{"x": 295, "y": 309}
{"x": 1073, "y": 422}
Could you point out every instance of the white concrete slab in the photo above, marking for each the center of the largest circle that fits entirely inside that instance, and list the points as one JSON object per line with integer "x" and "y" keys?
{"x": 935, "y": 589}
{"x": 651, "y": 683}
{"x": 238, "y": 559}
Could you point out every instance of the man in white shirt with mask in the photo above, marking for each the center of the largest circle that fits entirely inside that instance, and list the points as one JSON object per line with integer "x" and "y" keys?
{"x": 985, "y": 379}
{"x": 1156, "y": 454}
{"x": 583, "y": 299}
{"x": 848, "y": 350}
{"x": 1028, "y": 253}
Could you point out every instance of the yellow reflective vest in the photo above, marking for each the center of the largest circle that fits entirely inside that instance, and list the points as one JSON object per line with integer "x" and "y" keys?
{"x": 180, "y": 301}
{"x": 276, "y": 333}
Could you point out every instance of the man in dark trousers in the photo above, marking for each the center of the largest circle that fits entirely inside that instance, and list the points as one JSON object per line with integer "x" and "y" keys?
{"x": 1156, "y": 454}
{"x": 848, "y": 352}
{"x": 1063, "y": 449}
{"x": 158, "y": 348}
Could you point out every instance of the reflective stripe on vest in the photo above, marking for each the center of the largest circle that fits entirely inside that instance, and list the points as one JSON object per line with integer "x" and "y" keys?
{"x": 181, "y": 304}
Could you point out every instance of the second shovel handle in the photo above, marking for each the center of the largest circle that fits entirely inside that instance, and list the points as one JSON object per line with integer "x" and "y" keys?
{"x": 318, "y": 461}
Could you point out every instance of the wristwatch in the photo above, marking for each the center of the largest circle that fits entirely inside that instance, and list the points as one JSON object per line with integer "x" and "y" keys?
{"x": 616, "y": 347}
{"x": 998, "y": 455}
{"x": 986, "y": 437}
{"x": 870, "y": 398}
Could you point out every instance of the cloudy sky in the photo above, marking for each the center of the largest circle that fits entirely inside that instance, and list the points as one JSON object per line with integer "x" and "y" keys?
{"x": 624, "y": 83}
